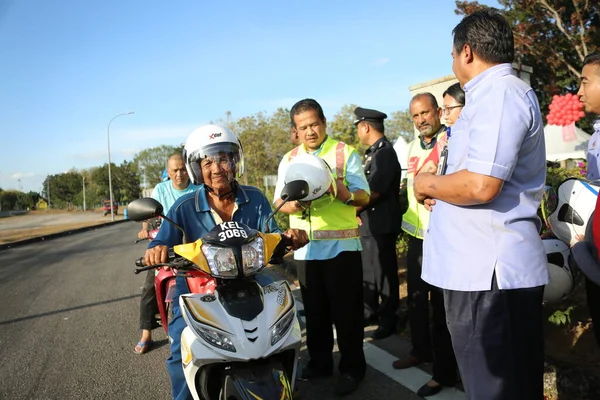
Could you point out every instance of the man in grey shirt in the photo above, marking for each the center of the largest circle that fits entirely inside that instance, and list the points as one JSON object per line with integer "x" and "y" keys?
{"x": 482, "y": 244}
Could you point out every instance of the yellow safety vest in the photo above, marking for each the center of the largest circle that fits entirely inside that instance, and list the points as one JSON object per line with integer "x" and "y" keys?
{"x": 337, "y": 220}
{"x": 416, "y": 217}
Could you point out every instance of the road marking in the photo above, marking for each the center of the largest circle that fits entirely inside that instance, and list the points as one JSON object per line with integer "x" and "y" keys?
{"x": 411, "y": 378}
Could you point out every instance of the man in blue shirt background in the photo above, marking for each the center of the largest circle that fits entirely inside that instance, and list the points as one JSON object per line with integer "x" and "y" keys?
{"x": 166, "y": 193}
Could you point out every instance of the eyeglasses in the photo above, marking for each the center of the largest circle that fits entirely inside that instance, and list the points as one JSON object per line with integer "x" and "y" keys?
{"x": 448, "y": 110}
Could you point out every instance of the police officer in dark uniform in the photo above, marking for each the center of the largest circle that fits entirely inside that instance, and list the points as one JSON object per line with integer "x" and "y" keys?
{"x": 380, "y": 224}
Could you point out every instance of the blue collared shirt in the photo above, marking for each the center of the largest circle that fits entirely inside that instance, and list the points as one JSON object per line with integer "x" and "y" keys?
{"x": 192, "y": 213}
{"x": 326, "y": 249}
{"x": 593, "y": 154}
{"x": 499, "y": 133}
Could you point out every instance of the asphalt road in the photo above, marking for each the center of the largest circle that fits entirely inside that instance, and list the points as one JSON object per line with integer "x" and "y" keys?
{"x": 69, "y": 322}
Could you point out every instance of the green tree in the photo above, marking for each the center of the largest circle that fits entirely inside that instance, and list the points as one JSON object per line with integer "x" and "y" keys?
{"x": 10, "y": 200}
{"x": 128, "y": 182}
{"x": 125, "y": 182}
{"x": 31, "y": 199}
{"x": 63, "y": 188}
{"x": 342, "y": 127}
{"x": 553, "y": 37}
{"x": 152, "y": 162}
{"x": 100, "y": 178}
{"x": 265, "y": 140}
{"x": 399, "y": 124}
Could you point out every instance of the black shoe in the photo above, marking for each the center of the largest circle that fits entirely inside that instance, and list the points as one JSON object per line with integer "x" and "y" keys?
{"x": 309, "y": 372}
{"x": 426, "y": 390}
{"x": 383, "y": 332}
{"x": 345, "y": 385}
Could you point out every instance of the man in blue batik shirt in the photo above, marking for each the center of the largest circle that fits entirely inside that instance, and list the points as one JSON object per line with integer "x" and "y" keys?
{"x": 214, "y": 159}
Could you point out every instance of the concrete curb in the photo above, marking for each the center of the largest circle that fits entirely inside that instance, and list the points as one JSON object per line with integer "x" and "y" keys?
{"x": 11, "y": 245}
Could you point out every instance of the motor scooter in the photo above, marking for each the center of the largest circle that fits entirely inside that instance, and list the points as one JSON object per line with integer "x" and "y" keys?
{"x": 242, "y": 340}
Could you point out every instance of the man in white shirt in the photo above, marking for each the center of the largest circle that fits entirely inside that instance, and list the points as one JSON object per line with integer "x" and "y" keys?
{"x": 482, "y": 245}
{"x": 589, "y": 93}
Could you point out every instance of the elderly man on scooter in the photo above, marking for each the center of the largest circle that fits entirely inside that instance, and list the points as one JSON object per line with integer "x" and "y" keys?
{"x": 214, "y": 159}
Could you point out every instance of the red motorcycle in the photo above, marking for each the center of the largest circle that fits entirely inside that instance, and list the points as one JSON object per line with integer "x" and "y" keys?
{"x": 164, "y": 282}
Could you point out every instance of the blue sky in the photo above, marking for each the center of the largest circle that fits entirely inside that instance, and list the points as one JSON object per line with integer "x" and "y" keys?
{"x": 69, "y": 66}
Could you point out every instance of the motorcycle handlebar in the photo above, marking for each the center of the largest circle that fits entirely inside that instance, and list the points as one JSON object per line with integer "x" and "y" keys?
{"x": 173, "y": 261}
{"x": 281, "y": 250}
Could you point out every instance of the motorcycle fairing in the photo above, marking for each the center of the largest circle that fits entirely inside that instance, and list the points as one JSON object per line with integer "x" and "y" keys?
{"x": 252, "y": 339}
{"x": 257, "y": 383}
{"x": 241, "y": 299}
{"x": 193, "y": 252}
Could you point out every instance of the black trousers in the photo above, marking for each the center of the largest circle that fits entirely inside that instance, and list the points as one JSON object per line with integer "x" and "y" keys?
{"x": 593, "y": 301}
{"x": 499, "y": 343}
{"x": 148, "y": 303}
{"x": 429, "y": 341}
{"x": 331, "y": 292}
{"x": 380, "y": 278}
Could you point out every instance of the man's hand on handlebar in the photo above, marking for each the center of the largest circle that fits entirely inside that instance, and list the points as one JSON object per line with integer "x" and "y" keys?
{"x": 156, "y": 255}
{"x": 143, "y": 234}
{"x": 298, "y": 237}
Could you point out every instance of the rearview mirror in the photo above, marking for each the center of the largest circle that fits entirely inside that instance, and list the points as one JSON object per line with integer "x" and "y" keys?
{"x": 294, "y": 190}
{"x": 144, "y": 208}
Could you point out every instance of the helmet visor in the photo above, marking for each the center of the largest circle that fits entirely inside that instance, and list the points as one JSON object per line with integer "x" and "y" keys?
{"x": 225, "y": 154}
{"x": 216, "y": 150}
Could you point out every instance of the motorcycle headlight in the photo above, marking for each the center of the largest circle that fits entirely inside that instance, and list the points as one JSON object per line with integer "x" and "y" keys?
{"x": 280, "y": 328}
{"x": 252, "y": 256}
{"x": 215, "y": 338}
{"x": 220, "y": 260}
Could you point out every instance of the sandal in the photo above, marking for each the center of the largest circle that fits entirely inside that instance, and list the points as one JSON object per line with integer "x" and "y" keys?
{"x": 142, "y": 347}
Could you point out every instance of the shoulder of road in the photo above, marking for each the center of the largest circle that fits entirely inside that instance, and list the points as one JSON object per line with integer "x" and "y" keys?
{"x": 33, "y": 235}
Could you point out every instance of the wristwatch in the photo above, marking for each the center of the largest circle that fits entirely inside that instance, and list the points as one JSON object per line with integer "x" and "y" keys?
{"x": 350, "y": 200}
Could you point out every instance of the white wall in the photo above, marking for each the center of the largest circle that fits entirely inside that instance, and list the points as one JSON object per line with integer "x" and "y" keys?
{"x": 439, "y": 85}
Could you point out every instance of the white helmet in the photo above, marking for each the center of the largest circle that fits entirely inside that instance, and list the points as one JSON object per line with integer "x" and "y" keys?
{"x": 212, "y": 141}
{"x": 562, "y": 276}
{"x": 576, "y": 203}
{"x": 317, "y": 173}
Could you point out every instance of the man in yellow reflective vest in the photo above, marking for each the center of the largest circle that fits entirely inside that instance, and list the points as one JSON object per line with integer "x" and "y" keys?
{"x": 330, "y": 267}
{"x": 425, "y": 154}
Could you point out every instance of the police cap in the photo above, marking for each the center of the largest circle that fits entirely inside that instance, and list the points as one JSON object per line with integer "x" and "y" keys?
{"x": 365, "y": 114}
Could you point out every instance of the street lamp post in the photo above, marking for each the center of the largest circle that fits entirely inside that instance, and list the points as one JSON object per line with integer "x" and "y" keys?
{"x": 112, "y": 212}
{"x": 83, "y": 176}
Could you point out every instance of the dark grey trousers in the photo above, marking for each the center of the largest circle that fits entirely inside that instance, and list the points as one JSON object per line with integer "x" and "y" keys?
{"x": 498, "y": 341}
